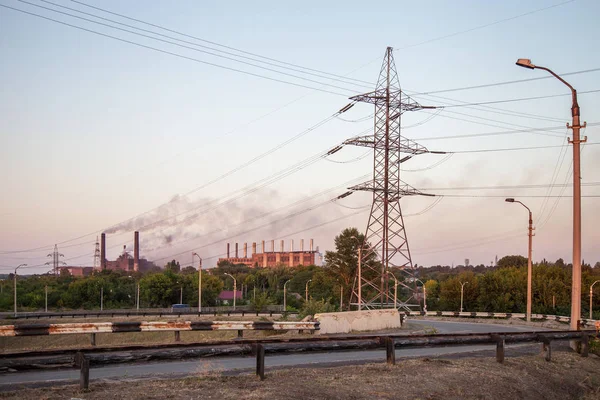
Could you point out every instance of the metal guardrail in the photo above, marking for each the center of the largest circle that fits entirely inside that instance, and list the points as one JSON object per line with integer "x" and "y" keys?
{"x": 541, "y": 317}
{"x": 259, "y": 348}
{"x": 153, "y": 326}
{"x": 141, "y": 313}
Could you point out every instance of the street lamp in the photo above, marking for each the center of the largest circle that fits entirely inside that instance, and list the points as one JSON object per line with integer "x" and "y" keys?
{"x": 575, "y": 112}
{"x": 395, "y": 288}
{"x": 234, "y": 289}
{"x": 359, "y": 272}
{"x": 137, "y": 293}
{"x": 199, "y": 281}
{"x": 591, "y": 295}
{"x": 306, "y": 290}
{"x": 285, "y": 295}
{"x": 529, "y": 267}
{"x": 15, "y": 282}
{"x": 462, "y": 286}
{"x": 424, "y": 295}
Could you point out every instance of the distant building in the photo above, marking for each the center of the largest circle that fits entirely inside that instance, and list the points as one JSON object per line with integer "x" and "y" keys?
{"x": 226, "y": 296}
{"x": 271, "y": 259}
{"x": 77, "y": 271}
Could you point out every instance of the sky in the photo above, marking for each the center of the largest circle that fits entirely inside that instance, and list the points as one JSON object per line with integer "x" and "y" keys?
{"x": 106, "y": 130}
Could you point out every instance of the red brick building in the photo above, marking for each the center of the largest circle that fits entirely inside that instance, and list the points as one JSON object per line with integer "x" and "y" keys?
{"x": 266, "y": 259}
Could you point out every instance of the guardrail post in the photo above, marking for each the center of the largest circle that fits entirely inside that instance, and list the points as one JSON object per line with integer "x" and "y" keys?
{"x": 546, "y": 348}
{"x": 240, "y": 333}
{"x": 390, "y": 351}
{"x": 84, "y": 370}
{"x": 499, "y": 348}
{"x": 260, "y": 361}
{"x": 177, "y": 336}
{"x": 585, "y": 345}
{"x": 93, "y": 339}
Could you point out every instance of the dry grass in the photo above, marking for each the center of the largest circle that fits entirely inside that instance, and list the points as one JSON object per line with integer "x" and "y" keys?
{"x": 567, "y": 376}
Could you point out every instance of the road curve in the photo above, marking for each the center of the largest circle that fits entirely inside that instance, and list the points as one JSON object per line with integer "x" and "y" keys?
{"x": 231, "y": 364}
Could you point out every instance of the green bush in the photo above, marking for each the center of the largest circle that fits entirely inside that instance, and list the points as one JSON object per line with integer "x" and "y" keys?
{"x": 312, "y": 307}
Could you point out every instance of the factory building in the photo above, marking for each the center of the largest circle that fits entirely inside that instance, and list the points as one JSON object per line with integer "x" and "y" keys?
{"x": 268, "y": 259}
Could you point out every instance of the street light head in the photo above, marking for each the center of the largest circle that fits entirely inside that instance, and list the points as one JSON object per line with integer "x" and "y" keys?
{"x": 525, "y": 63}
{"x": 510, "y": 200}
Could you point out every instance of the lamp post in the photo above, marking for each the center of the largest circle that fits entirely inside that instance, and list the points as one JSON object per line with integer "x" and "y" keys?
{"x": 424, "y": 295}
{"x": 576, "y": 141}
{"x": 306, "y": 290}
{"x": 395, "y": 289}
{"x": 462, "y": 286}
{"x": 199, "y": 281}
{"x": 529, "y": 267}
{"x": 234, "y": 289}
{"x": 15, "y": 283}
{"x": 46, "y": 298}
{"x": 359, "y": 272}
{"x": 285, "y": 295}
{"x": 101, "y": 298}
{"x": 591, "y": 296}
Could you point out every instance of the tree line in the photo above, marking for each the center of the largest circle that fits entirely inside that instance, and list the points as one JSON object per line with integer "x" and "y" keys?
{"x": 501, "y": 288}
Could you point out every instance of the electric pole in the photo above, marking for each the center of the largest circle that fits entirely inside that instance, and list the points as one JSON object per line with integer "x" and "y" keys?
{"x": 385, "y": 235}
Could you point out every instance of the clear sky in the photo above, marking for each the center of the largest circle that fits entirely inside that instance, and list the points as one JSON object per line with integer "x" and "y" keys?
{"x": 95, "y": 131}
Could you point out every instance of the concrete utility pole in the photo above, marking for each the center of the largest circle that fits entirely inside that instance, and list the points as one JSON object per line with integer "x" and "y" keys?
{"x": 462, "y": 286}
{"x": 575, "y": 112}
{"x": 306, "y": 290}
{"x": 46, "y": 295}
{"x": 591, "y": 297}
{"x": 15, "y": 289}
{"x": 199, "y": 281}
{"x": 424, "y": 295}
{"x": 285, "y": 295}
{"x": 101, "y": 298}
{"x": 529, "y": 267}
{"x": 234, "y": 289}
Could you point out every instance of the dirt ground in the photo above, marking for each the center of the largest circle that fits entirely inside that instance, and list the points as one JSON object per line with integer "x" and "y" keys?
{"x": 567, "y": 376}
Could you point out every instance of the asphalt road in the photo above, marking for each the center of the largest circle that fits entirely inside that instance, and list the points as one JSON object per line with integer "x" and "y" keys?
{"x": 232, "y": 364}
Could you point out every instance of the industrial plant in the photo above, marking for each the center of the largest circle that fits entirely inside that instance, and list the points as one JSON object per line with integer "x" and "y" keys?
{"x": 271, "y": 259}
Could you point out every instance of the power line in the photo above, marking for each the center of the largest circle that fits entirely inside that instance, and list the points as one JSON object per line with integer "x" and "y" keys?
{"x": 218, "y": 44}
{"x": 507, "y": 132}
{"x": 184, "y": 46}
{"x": 502, "y": 187}
{"x": 513, "y": 149}
{"x": 172, "y": 53}
{"x": 482, "y": 26}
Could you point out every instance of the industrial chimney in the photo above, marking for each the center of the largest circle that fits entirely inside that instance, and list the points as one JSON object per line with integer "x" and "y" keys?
{"x": 245, "y": 250}
{"x": 311, "y": 245}
{"x": 302, "y": 245}
{"x": 236, "y": 251}
{"x": 136, "y": 251}
{"x": 227, "y": 250}
{"x": 272, "y": 246}
{"x": 103, "y": 251}
{"x": 292, "y": 246}
{"x": 281, "y": 247}
{"x": 253, "y": 248}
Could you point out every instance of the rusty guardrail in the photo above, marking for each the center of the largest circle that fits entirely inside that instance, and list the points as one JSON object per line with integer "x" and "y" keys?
{"x": 140, "y": 313}
{"x": 152, "y": 326}
{"x": 259, "y": 348}
{"x": 540, "y": 317}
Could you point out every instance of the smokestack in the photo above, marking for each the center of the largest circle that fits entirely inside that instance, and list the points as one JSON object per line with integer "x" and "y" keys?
{"x": 245, "y": 250}
{"x": 272, "y": 246}
{"x": 136, "y": 251}
{"x": 103, "y": 251}
{"x": 292, "y": 246}
{"x": 282, "y": 246}
{"x": 263, "y": 247}
{"x": 236, "y": 250}
{"x": 301, "y": 244}
{"x": 311, "y": 245}
{"x": 227, "y": 250}
{"x": 253, "y": 248}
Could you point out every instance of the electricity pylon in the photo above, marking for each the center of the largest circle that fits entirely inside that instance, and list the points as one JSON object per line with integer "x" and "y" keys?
{"x": 55, "y": 260}
{"x": 385, "y": 235}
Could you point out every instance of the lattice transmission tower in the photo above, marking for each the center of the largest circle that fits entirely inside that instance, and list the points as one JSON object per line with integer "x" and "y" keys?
{"x": 56, "y": 262}
{"x": 385, "y": 247}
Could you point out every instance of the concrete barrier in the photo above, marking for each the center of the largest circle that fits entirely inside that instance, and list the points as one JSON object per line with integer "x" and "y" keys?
{"x": 359, "y": 321}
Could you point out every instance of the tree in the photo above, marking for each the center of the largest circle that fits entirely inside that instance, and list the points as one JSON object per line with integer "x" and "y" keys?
{"x": 512, "y": 261}
{"x": 342, "y": 263}
{"x": 173, "y": 266}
